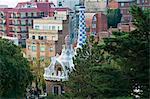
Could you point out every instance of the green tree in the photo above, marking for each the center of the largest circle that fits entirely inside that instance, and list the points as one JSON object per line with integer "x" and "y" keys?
{"x": 113, "y": 17}
{"x": 131, "y": 51}
{"x": 15, "y": 73}
{"x": 37, "y": 67}
{"x": 95, "y": 76}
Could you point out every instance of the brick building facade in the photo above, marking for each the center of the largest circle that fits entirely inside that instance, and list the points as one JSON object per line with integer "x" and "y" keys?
{"x": 124, "y": 6}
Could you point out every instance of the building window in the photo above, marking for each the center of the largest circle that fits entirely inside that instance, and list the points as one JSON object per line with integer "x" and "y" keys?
{"x": 93, "y": 33}
{"x": 28, "y": 6}
{"x": 87, "y": 29}
{"x": 45, "y": 37}
{"x": 93, "y": 25}
{"x": 60, "y": 4}
{"x": 33, "y": 48}
{"x": 42, "y": 49}
{"x": 94, "y": 18}
{"x": 41, "y": 38}
{"x": 50, "y": 49}
{"x": 56, "y": 89}
{"x": 33, "y": 37}
{"x": 37, "y": 27}
{"x": 28, "y": 47}
{"x": 42, "y": 14}
{"x": 122, "y": 4}
{"x": 53, "y": 27}
{"x": 26, "y": 14}
{"x": 49, "y": 27}
{"x": 45, "y": 27}
{"x": 32, "y": 14}
{"x": 53, "y": 37}
{"x": 143, "y": 1}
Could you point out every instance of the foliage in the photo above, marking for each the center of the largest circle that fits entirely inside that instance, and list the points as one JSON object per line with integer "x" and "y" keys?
{"x": 15, "y": 73}
{"x": 115, "y": 68}
{"x": 95, "y": 77}
{"x": 131, "y": 51}
{"x": 37, "y": 67}
{"x": 113, "y": 17}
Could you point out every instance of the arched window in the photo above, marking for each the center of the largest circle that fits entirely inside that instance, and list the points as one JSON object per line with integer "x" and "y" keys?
{"x": 59, "y": 71}
{"x": 94, "y": 18}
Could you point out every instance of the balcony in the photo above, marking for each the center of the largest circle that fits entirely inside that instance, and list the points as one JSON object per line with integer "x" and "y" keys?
{"x": 16, "y": 17}
{"x": 18, "y": 31}
{"x": 2, "y": 23}
{"x": 25, "y": 24}
{"x": 2, "y": 30}
{"x": 20, "y": 24}
{"x": 12, "y": 31}
{"x": 43, "y": 31}
{"x": 31, "y": 17}
{"x": 2, "y": 17}
{"x": 22, "y": 32}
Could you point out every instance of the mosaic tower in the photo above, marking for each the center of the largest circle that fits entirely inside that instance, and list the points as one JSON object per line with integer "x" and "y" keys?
{"x": 81, "y": 27}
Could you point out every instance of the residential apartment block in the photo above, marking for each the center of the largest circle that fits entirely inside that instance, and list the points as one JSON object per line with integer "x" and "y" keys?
{"x": 95, "y": 5}
{"x": 16, "y": 22}
{"x": 46, "y": 38}
{"x": 124, "y": 6}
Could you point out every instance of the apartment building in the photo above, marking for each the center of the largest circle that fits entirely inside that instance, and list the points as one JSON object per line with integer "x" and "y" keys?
{"x": 67, "y": 3}
{"x": 16, "y": 22}
{"x": 124, "y": 6}
{"x": 95, "y": 5}
{"x": 46, "y": 38}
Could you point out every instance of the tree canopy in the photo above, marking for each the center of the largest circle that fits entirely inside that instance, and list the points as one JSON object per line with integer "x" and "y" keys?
{"x": 95, "y": 76}
{"x": 113, "y": 17}
{"x": 131, "y": 50}
{"x": 118, "y": 66}
{"x": 15, "y": 73}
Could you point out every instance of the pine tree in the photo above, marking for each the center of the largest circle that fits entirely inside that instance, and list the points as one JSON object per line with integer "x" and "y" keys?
{"x": 131, "y": 51}
{"x": 95, "y": 77}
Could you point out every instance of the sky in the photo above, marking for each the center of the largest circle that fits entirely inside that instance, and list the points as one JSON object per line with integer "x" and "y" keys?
{"x": 11, "y": 3}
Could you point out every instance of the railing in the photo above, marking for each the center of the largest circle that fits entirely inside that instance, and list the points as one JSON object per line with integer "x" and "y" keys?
{"x": 11, "y": 31}
{"x": 3, "y": 30}
{"x": 31, "y": 17}
{"x": 56, "y": 78}
{"x": 25, "y": 24}
{"x": 24, "y": 17}
{"x": 3, "y": 23}
{"x": 22, "y": 32}
{"x": 15, "y": 17}
{"x": 20, "y": 24}
{"x": 2, "y": 17}
{"x": 18, "y": 31}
